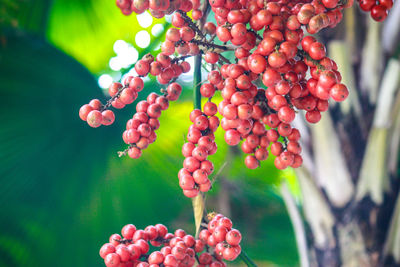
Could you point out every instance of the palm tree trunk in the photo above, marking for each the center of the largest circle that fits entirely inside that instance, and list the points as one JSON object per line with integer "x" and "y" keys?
{"x": 350, "y": 178}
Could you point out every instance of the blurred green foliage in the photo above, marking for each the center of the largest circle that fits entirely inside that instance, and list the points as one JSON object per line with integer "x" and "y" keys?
{"x": 87, "y": 30}
{"x": 64, "y": 190}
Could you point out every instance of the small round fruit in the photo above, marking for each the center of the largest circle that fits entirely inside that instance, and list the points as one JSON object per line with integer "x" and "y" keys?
{"x": 94, "y": 118}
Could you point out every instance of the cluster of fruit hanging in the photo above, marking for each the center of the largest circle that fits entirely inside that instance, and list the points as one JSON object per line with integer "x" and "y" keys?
{"x": 217, "y": 242}
{"x": 274, "y": 47}
{"x": 271, "y": 47}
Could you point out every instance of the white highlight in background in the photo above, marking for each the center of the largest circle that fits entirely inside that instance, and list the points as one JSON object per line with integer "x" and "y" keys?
{"x": 188, "y": 77}
{"x": 126, "y": 55}
{"x": 105, "y": 81}
{"x": 115, "y": 63}
{"x": 144, "y": 19}
{"x": 142, "y": 39}
{"x": 157, "y": 29}
{"x": 119, "y": 46}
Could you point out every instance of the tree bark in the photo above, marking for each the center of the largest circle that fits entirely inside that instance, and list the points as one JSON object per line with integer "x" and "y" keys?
{"x": 350, "y": 180}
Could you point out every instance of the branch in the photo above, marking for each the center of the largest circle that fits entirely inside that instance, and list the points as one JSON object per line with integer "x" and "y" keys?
{"x": 197, "y": 82}
{"x": 199, "y": 201}
{"x": 191, "y": 24}
{"x": 211, "y": 45}
{"x": 243, "y": 256}
{"x": 109, "y": 101}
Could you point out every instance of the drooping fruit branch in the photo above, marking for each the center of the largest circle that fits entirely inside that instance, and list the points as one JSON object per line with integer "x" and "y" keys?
{"x": 270, "y": 48}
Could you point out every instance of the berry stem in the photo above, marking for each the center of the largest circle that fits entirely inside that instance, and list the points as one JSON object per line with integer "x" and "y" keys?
{"x": 198, "y": 202}
{"x": 191, "y": 24}
{"x": 211, "y": 45}
{"x": 224, "y": 59}
{"x": 243, "y": 256}
{"x": 197, "y": 82}
{"x": 109, "y": 102}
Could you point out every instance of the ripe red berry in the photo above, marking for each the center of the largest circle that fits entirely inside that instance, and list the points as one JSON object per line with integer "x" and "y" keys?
{"x": 317, "y": 51}
{"x": 276, "y": 59}
{"x": 106, "y": 249}
{"x": 95, "y": 104}
{"x": 134, "y": 152}
{"x": 112, "y": 260}
{"x": 232, "y": 137}
{"x": 191, "y": 164}
{"x": 211, "y": 57}
{"x": 313, "y": 116}
{"x": 84, "y": 111}
{"x": 108, "y": 117}
{"x": 339, "y": 92}
{"x": 251, "y": 162}
{"x": 94, "y": 118}
{"x": 142, "y": 67}
{"x": 379, "y": 12}
{"x": 233, "y": 237}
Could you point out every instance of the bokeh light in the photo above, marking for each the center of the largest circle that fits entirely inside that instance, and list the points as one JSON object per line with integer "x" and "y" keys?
{"x": 105, "y": 81}
{"x": 144, "y": 19}
{"x": 157, "y": 29}
{"x": 142, "y": 39}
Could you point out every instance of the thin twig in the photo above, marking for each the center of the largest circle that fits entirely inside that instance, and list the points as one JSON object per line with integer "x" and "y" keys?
{"x": 243, "y": 256}
{"x": 219, "y": 172}
{"x": 210, "y": 45}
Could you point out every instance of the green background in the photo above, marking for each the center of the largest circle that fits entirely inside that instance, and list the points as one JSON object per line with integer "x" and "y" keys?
{"x": 64, "y": 190}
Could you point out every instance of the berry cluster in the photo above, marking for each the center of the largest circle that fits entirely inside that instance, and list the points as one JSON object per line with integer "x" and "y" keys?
{"x": 140, "y": 130}
{"x": 179, "y": 249}
{"x": 157, "y": 8}
{"x": 163, "y": 67}
{"x": 222, "y": 237}
{"x": 271, "y": 49}
{"x": 379, "y": 8}
{"x": 94, "y": 114}
{"x": 281, "y": 56}
{"x": 193, "y": 177}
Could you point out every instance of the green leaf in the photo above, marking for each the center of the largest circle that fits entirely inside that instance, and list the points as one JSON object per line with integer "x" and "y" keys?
{"x": 88, "y": 29}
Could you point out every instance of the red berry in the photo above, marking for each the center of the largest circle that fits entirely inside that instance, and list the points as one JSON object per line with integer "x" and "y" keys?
{"x": 233, "y": 237}
{"x": 211, "y": 57}
{"x": 94, "y": 118}
{"x": 128, "y": 231}
{"x": 317, "y": 51}
{"x": 230, "y": 254}
{"x": 191, "y": 164}
{"x": 379, "y": 12}
{"x": 251, "y": 162}
{"x": 339, "y": 92}
{"x": 276, "y": 59}
{"x": 112, "y": 260}
{"x": 84, "y": 111}
{"x": 95, "y": 104}
{"x": 134, "y": 152}
{"x": 232, "y": 137}
{"x": 142, "y": 67}
{"x": 108, "y": 117}
{"x": 313, "y": 116}
{"x": 106, "y": 249}
{"x": 366, "y": 5}
{"x": 123, "y": 253}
